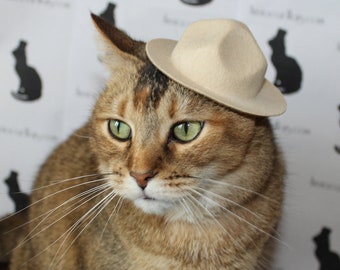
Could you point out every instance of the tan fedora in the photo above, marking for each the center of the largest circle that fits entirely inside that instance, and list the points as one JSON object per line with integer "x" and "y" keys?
{"x": 220, "y": 59}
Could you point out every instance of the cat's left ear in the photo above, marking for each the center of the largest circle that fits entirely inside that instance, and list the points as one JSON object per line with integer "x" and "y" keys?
{"x": 118, "y": 49}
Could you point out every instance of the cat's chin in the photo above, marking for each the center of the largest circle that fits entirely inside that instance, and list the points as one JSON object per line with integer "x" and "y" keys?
{"x": 153, "y": 206}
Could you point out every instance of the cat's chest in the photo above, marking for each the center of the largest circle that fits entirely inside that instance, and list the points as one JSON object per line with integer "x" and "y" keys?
{"x": 144, "y": 260}
{"x": 171, "y": 249}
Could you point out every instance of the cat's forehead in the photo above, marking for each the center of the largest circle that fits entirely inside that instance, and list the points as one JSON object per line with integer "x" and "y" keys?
{"x": 151, "y": 87}
{"x": 154, "y": 90}
{"x": 147, "y": 91}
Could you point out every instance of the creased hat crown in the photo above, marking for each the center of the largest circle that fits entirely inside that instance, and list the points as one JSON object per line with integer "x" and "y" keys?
{"x": 221, "y": 60}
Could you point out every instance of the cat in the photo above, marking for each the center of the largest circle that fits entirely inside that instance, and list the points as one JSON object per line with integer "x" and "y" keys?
{"x": 328, "y": 259}
{"x": 20, "y": 199}
{"x": 108, "y": 13}
{"x": 30, "y": 83}
{"x": 160, "y": 177}
{"x": 288, "y": 72}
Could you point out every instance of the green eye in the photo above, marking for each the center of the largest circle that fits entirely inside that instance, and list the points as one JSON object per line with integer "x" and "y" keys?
{"x": 119, "y": 130}
{"x": 187, "y": 131}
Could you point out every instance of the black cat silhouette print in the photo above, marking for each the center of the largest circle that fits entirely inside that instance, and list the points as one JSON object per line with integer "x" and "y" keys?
{"x": 30, "y": 86}
{"x": 328, "y": 259}
{"x": 288, "y": 72}
{"x": 20, "y": 199}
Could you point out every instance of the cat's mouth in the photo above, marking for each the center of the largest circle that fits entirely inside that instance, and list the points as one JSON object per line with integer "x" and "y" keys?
{"x": 152, "y": 205}
{"x": 146, "y": 197}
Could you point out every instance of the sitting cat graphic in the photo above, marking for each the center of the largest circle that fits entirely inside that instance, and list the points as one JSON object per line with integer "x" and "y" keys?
{"x": 30, "y": 83}
{"x": 328, "y": 259}
{"x": 20, "y": 199}
{"x": 9, "y": 225}
{"x": 288, "y": 72}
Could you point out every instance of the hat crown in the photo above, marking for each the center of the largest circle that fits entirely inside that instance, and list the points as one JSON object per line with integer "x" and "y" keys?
{"x": 220, "y": 59}
{"x": 221, "y": 54}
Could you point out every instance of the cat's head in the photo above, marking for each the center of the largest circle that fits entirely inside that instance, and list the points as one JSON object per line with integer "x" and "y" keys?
{"x": 162, "y": 144}
{"x": 323, "y": 237}
{"x": 277, "y": 42}
{"x": 12, "y": 177}
{"x": 20, "y": 50}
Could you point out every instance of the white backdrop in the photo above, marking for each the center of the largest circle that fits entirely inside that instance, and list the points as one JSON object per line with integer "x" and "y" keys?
{"x": 60, "y": 46}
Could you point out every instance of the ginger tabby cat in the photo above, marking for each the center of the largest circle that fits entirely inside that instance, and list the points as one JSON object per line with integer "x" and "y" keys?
{"x": 160, "y": 177}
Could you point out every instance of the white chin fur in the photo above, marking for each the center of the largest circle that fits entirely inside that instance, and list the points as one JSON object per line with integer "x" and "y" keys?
{"x": 154, "y": 207}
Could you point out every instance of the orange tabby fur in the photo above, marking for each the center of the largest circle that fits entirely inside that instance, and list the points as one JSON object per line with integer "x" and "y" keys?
{"x": 217, "y": 199}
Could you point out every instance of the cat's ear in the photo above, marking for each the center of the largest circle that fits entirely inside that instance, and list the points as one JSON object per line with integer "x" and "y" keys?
{"x": 117, "y": 48}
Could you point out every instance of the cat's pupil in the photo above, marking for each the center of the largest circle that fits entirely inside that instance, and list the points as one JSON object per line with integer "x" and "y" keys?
{"x": 117, "y": 125}
{"x": 186, "y": 127}
{"x": 187, "y": 131}
{"x": 119, "y": 130}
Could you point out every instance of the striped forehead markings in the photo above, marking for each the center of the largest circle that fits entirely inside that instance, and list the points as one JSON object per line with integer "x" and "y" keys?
{"x": 151, "y": 86}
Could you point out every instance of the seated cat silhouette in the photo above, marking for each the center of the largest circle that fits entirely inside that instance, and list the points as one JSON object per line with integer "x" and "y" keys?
{"x": 8, "y": 237}
{"x": 328, "y": 259}
{"x": 30, "y": 86}
{"x": 21, "y": 200}
{"x": 288, "y": 72}
{"x": 161, "y": 178}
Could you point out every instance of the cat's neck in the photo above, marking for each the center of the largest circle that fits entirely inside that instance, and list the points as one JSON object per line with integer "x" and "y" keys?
{"x": 207, "y": 242}
{"x": 20, "y": 61}
{"x": 13, "y": 185}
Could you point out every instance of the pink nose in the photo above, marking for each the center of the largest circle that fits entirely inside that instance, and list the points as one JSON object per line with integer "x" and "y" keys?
{"x": 142, "y": 178}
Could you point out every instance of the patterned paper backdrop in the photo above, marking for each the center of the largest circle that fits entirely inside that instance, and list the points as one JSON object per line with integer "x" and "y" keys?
{"x": 50, "y": 76}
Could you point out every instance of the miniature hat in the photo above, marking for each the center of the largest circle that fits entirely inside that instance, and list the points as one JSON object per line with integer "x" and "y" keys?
{"x": 220, "y": 59}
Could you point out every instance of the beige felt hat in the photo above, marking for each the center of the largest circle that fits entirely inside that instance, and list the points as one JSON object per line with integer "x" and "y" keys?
{"x": 220, "y": 59}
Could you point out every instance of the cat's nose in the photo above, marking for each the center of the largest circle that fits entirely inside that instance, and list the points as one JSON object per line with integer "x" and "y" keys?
{"x": 142, "y": 178}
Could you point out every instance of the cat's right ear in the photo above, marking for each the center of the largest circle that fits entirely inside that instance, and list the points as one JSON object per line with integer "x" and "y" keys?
{"x": 117, "y": 48}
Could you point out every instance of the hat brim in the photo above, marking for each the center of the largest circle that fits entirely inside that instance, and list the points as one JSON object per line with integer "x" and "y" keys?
{"x": 268, "y": 102}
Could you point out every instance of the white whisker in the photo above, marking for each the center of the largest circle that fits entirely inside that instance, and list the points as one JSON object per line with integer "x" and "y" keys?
{"x": 62, "y": 181}
{"x": 234, "y": 203}
{"x": 191, "y": 213}
{"x": 231, "y": 202}
{"x": 61, "y": 236}
{"x": 88, "y": 193}
{"x": 100, "y": 206}
{"x": 81, "y": 202}
{"x": 81, "y": 136}
{"x": 191, "y": 197}
{"x": 214, "y": 219}
{"x": 51, "y": 210}
{"x": 57, "y": 182}
{"x": 218, "y": 182}
{"x": 239, "y": 218}
{"x": 115, "y": 210}
{"x": 50, "y": 195}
